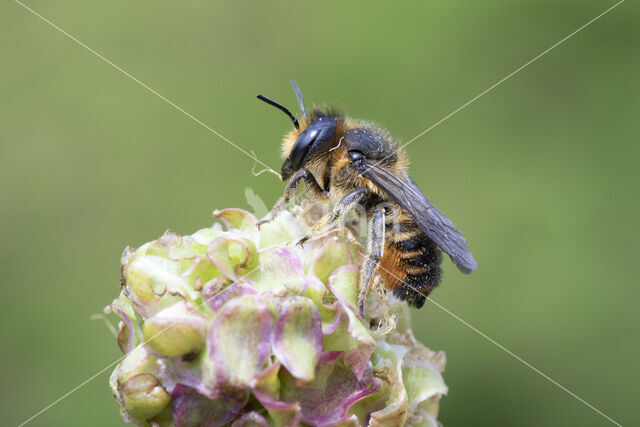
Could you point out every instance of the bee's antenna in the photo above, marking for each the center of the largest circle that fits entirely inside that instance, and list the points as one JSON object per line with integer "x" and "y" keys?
{"x": 280, "y": 107}
{"x": 296, "y": 89}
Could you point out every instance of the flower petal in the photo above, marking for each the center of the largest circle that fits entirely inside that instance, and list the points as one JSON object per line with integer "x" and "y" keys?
{"x": 395, "y": 411}
{"x": 240, "y": 220}
{"x": 204, "y": 236}
{"x": 332, "y": 255}
{"x": 422, "y": 383}
{"x": 329, "y": 312}
{"x": 235, "y": 290}
{"x": 278, "y": 232}
{"x": 280, "y": 272}
{"x": 232, "y": 253}
{"x": 344, "y": 282}
{"x": 266, "y": 388}
{"x": 198, "y": 373}
{"x": 239, "y": 340}
{"x": 352, "y": 338}
{"x": 297, "y": 341}
{"x": 161, "y": 247}
{"x": 421, "y": 373}
{"x": 201, "y": 267}
{"x": 130, "y": 334}
{"x": 139, "y": 361}
{"x": 327, "y": 400}
{"x": 191, "y": 408}
{"x": 149, "y": 278}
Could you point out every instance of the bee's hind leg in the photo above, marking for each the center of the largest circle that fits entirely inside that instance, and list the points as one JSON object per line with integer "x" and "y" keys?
{"x": 290, "y": 190}
{"x": 345, "y": 204}
{"x": 375, "y": 250}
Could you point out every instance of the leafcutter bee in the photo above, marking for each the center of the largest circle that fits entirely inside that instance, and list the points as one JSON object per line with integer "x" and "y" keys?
{"x": 351, "y": 163}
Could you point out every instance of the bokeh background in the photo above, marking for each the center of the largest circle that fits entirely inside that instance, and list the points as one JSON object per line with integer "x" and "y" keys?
{"x": 541, "y": 174}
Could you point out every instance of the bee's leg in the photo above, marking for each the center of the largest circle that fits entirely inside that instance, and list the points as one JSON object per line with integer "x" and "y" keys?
{"x": 375, "y": 249}
{"x": 347, "y": 203}
{"x": 290, "y": 190}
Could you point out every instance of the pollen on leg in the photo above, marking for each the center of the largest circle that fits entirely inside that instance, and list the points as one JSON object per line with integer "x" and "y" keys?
{"x": 385, "y": 321}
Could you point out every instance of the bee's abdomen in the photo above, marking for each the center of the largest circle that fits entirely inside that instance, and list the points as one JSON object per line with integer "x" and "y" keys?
{"x": 411, "y": 264}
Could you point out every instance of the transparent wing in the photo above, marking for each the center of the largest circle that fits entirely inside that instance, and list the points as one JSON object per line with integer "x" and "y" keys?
{"x": 435, "y": 225}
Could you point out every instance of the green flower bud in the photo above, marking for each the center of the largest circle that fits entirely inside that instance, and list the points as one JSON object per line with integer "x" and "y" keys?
{"x": 175, "y": 331}
{"x": 144, "y": 397}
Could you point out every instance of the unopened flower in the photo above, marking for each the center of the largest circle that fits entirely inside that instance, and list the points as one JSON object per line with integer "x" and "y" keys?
{"x": 235, "y": 325}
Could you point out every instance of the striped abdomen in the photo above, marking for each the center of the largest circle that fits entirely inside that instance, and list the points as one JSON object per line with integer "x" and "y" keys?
{"x": 410, "y": 263}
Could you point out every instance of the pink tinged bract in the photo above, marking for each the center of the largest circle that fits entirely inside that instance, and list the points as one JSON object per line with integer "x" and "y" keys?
{"x": 266, "y": 388}
{"x": 191, "y": 408}
{"x": 198, "y": 374}
{"x": 332, "y": 255}
{"x": 235, "y": 290}
{"x": 327, "y": 400}
{"x": 232, "y": 253}
{"x": 330, "y": 313}
{"x": 240, "y": 220}
{"x": 281, "y": 272}
{"x": 240, "y": 341}
{"x": 344, "y": 283}
{"x": 297, "y": 341}
{"x": 126, "y": 334}
{"x": 356, "y": 341}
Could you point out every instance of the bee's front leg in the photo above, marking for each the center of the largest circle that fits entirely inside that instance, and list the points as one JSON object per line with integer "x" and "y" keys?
{"x": 345, "y": 204}
{"x": 290, "y": 190}
{"x": 375, "y": 250}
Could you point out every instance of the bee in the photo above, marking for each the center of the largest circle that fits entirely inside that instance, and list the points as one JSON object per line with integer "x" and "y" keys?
{"x": 349, "y": 163}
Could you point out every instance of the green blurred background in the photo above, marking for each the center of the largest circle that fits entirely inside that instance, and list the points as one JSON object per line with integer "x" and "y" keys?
{"x": 541, "y": 174}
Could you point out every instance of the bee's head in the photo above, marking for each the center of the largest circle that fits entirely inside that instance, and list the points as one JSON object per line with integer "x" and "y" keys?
{"x": 312, "y": 136}
{"x": 315, "y": 139}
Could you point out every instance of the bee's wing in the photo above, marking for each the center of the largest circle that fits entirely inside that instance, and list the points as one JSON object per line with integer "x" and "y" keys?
{"x": 436, "y": 226}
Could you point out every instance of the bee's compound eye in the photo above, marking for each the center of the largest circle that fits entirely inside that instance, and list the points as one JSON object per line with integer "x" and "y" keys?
{"x": 302, "y": 146}
{"x": 312, "y": 134}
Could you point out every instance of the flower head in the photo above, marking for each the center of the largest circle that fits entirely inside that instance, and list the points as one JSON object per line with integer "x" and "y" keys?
{"x": 235, "y": 325}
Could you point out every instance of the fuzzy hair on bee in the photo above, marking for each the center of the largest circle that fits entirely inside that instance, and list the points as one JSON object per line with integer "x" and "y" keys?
{"x": 348, "y": 163}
